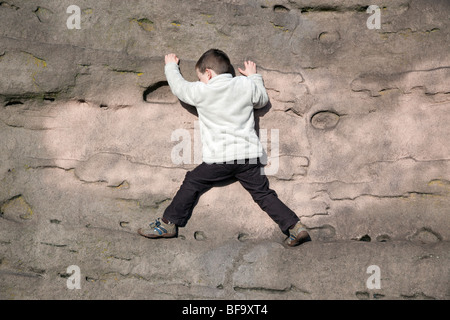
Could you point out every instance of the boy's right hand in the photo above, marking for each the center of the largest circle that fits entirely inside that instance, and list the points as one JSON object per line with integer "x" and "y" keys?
{"x": 171, "y": 57}
{"x": 250, "y": 68}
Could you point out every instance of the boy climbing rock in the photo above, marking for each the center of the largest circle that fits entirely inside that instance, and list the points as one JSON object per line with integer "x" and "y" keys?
{"x": 230, "y": 145}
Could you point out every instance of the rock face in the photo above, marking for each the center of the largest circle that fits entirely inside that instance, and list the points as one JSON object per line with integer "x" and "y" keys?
{"x": 93, "y": 145}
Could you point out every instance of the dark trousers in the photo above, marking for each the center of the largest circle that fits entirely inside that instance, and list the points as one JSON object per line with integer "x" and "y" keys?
{"x": 203, "y": 177}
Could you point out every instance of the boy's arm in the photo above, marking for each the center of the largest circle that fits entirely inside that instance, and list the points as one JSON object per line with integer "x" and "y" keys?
{"x": 259, "y": 97}
{"x": 182, "y": 89}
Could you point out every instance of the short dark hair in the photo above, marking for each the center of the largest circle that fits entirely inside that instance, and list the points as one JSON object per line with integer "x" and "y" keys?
{"x": 216, "y": 60}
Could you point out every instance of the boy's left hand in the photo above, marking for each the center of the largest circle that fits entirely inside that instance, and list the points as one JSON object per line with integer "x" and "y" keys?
{"x": 250, "y": 68}
{"x": 171, "y": 57}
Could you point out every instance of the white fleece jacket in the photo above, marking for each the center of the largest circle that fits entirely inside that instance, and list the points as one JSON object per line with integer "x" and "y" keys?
{"x": 225, "y": 112}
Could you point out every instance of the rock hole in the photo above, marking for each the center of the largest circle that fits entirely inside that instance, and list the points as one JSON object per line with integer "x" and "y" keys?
{"x": 16, "y": 207}
{"x": 365, "y": 238}
{"x": 383, "y": 238}
{"x": 328, "y": 37}
{"x": 124, "y": 224}
{"x": 362, "y": 295}
{"x": 319, "y": 9}
{"x": 12, "y": 103}
{"x": 8, "y": 5}
{"x": 358, "y": 8}
{"x": 157, "y": 92}
{"x": 329, "y": 8}
{"x": 325, "y": 120}
{"x": 417, "y": 296}
{"x": 242, "y": 236}
{"x": 426, "y": 235}
{"x": 280, "y": 8}
{"x": 199, "y": 235}
{"x": 43, "y": 14}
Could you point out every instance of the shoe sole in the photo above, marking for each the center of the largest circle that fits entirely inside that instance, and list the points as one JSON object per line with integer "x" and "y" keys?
{"x": 151, "y": 236}
{"x": 302, "y": 237}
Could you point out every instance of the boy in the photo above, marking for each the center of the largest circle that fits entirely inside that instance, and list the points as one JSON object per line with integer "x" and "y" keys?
{"x": 230, "y": 148}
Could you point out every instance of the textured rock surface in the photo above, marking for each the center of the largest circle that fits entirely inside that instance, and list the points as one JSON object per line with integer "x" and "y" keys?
{"x": 86, "y": 150}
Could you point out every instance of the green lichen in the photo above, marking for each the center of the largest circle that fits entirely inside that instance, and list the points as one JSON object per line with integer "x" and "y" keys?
{"x": 144, "y": 23}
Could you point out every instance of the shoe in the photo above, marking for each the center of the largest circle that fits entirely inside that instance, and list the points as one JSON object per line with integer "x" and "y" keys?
{"x": 297, "y": 235}
{"x": 159, "y": 229}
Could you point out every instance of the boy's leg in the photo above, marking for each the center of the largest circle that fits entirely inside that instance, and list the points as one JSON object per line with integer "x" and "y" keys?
{"x": 257, "y": 184}
{"x": 194, "y": 185}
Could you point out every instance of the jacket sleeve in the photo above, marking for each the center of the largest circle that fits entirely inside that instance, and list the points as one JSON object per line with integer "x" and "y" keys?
{"x": 184, "y": 90}
{"x": 259, "y": 93}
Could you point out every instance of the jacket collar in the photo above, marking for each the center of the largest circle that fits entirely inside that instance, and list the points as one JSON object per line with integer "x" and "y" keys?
{"x": 220, "y": 77}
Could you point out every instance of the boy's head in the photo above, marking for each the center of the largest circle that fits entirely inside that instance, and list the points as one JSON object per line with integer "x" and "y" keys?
{"x": 213, "y": 62}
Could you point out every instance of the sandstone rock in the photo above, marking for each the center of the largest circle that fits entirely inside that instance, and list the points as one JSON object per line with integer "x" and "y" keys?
{"x": 355, "y": 139}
